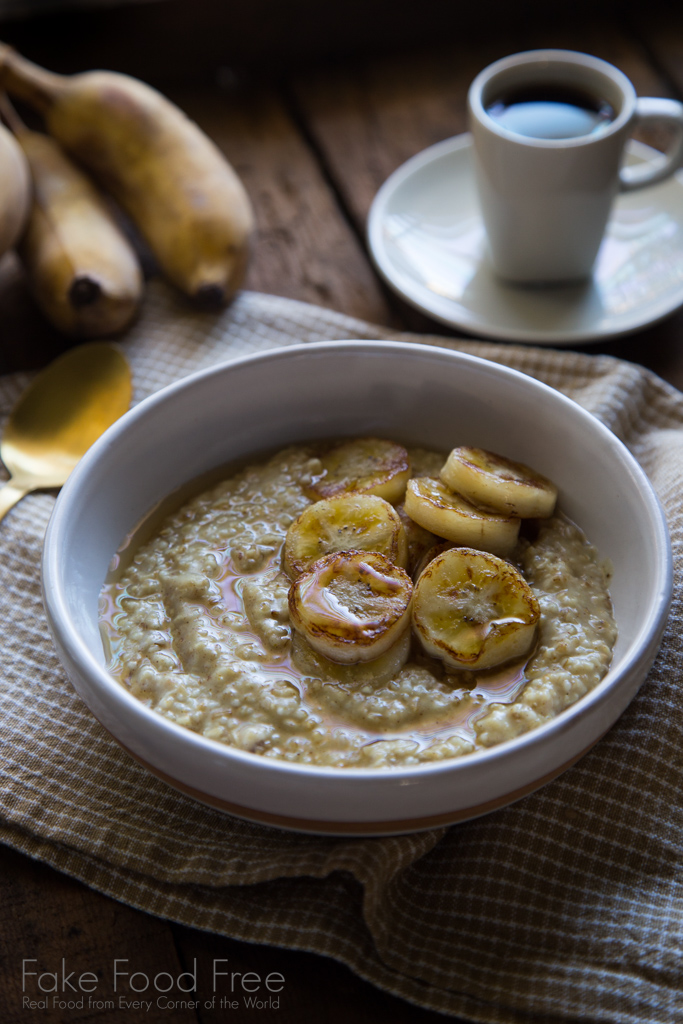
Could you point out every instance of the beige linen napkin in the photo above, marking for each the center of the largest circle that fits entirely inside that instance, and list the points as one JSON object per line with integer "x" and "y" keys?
{"x": 566, "y": 906}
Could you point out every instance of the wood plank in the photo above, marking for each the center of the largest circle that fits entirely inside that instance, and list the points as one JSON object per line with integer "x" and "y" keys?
{"x": 46, "y": 917}
{"x": 662, "y": 37}
{"x": 315, "y": 988}
{"x": 304, "y": 248}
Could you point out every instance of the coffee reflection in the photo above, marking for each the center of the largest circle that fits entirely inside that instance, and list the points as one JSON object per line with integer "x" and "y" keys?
{"x": 551, "y": 112}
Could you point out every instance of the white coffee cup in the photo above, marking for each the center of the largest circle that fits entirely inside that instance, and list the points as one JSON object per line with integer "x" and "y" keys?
{"x": 546, "y": 201}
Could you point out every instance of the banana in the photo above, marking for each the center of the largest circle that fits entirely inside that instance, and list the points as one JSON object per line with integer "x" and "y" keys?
{"x": 175, "y": 184}
{"x": 365, "y": 673}
{"x": 473, "y": 610}
{"x": 81, "y": 268}
{"x": 15, "y": 191}
{"x": 351, "y": 606}
{"x": 367, "y": 465}
{"x": 493, "y": 482}
{"x": 447, "y": 514}
{"x": 362, "y": 522}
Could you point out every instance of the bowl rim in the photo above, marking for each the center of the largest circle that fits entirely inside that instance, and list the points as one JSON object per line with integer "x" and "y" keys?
{"x": 67, "y": 637}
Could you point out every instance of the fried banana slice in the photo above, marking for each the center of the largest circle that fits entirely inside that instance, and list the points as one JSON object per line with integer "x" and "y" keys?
{"x": 358, "y": 522}
{"x": 493, "y": 482}
{"x": 367, "y": 465}
{"x": 447, "y": 514}
{"x": 351, "y": 606}
{"x": 474, "y": 610}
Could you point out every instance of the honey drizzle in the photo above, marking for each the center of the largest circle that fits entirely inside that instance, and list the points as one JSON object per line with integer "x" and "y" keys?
{"x": 501, "y": 685}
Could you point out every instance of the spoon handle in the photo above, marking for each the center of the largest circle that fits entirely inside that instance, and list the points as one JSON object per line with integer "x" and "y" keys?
{"x": 10, "y": 494}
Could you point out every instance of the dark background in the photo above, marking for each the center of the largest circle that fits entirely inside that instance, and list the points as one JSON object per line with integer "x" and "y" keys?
{"x": 184, "y": 40}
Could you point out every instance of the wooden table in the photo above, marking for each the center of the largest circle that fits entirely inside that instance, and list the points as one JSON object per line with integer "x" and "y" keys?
{"x": 312, "y": 146}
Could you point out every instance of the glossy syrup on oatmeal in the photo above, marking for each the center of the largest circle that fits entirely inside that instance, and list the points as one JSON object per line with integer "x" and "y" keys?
{"x": 196, "y": 624}
{"x": 474, "y": 692}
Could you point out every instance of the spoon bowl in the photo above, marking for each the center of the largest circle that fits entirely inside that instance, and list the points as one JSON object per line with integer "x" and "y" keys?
{"x": 59, "y": 416}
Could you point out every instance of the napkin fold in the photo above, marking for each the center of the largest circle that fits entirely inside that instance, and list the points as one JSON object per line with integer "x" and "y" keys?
{"x": 567, "y": 906}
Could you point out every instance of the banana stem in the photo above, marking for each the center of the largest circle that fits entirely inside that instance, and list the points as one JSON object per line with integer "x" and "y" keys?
{"x": 10, "y": 494}
{"x": 27, "y": 81}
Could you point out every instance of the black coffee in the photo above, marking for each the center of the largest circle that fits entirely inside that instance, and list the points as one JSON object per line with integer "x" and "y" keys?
{"x": 551, "y": 112}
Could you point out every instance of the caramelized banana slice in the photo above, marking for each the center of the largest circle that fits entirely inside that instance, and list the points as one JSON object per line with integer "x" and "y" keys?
{"x": 351, "y": 606}
{"x": 367, "y": 465}
{"x": 473, "y": 610}
{"x": 431, "y": 504}
{"x": 362, "y": 522}
{"x": 367, "y": 673}
{"x": 494, "y": 482}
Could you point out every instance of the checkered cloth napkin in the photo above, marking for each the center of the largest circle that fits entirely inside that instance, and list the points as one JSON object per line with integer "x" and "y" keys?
{"x": 567, "y": 906}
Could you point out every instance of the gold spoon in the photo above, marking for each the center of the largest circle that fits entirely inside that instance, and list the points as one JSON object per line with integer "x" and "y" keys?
{"x": 62, "y": 412}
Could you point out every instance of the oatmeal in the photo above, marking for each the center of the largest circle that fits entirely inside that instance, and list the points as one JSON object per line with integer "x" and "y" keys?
{"x": 198, "y": 627}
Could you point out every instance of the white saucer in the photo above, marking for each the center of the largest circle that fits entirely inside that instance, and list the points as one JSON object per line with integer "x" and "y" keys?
{"x": 427, "y": 240}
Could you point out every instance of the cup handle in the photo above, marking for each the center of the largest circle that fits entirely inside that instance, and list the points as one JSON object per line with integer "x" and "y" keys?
{"x": 650, "y": 110}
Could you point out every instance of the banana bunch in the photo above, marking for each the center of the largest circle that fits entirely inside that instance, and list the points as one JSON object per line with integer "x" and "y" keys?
{"x": 81, "y": 268}
{"x": 173, "y": 182}
{"x": 351, "y": 600}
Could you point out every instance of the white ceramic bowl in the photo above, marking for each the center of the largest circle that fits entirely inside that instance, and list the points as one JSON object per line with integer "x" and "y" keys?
{"x": 422, "y": 394}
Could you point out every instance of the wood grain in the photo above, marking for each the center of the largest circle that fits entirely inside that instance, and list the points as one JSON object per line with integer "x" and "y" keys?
{"x": 46, "y": 917}
{"x": 303, "y": 248}
{"x": 171, "y": 41}
{"x": 315, "y": 988}
{"x": 662, "y": 39}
